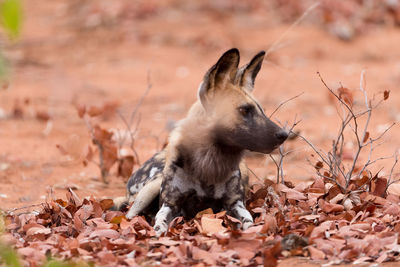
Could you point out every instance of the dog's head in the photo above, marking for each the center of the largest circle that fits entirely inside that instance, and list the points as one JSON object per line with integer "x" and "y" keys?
{"x": 238, "y": 119}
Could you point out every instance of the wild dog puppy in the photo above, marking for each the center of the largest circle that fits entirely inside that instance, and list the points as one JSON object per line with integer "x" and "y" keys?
{"x": 203, "y": 165}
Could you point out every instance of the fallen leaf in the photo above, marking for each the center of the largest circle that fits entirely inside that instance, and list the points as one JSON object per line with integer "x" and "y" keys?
{"x": 211, "y": 226}
{"x": 315, "y": 253}
{"x": 106, "y": 233}
{"x": 106, "y": 204}
{"x": 328, "y": 207}
{"x": 293, "y": 194}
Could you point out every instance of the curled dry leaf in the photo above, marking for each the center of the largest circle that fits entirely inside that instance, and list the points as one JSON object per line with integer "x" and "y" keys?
{"x": 378, "y": 186}
{"x": 386, "y": 94}
{"x": 346, "y": 95}
{"x": 366, "y": 136}
{"x": 319, "y": 165}
{"x": 125, "y": 166}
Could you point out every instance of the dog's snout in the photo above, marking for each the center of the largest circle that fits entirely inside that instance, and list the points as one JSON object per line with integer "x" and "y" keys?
{"x": 282, "y": 135}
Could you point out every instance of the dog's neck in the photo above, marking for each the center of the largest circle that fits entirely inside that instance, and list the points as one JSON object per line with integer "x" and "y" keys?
{"x": 207, "y": 159}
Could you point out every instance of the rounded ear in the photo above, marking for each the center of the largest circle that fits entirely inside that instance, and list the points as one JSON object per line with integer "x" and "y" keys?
{"x": 217, "y": 76}
{"x": 247, "y": 74}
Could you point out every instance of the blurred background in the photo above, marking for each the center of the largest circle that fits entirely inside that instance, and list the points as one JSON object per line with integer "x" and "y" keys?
{"x": 139, "y": 63}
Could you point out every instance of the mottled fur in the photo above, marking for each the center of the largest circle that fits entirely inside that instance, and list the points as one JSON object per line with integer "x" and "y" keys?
{"x": 203, "y": 166}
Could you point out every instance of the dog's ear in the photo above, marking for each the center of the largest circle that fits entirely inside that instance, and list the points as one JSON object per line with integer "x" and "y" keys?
{"x": 223, "y": 72}
{"x": 247, "y": 74}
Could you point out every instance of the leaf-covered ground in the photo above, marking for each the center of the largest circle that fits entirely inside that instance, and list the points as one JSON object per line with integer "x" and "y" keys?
{"x": 93, "y": 53}
{"x": 313, "y": 220}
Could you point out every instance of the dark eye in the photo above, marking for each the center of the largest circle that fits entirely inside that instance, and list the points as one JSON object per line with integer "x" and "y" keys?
{"x": 246, "y": 110}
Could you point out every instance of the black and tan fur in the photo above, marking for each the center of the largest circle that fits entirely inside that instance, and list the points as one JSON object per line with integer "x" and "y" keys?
{"x": 203, "y": 165}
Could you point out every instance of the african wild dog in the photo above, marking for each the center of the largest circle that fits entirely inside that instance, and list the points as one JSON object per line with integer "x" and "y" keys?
{"x": 203, "y": 165}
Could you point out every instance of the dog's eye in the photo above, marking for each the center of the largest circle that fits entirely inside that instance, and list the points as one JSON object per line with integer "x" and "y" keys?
{"x": 246, "y": 110}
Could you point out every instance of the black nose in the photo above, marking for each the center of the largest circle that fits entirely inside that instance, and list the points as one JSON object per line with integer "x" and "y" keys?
{"x": 282, "y": 136}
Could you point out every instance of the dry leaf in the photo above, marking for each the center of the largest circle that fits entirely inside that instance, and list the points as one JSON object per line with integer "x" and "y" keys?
{"x": 211, "y": 226}
{"x": 106, "y": 204}
{"x": 346, "y": 95}
{"x": 125, "y": 166}
{"x": 316, "y": 254}
{"x": 319, "y": 165}
{"x": 366, "y": 137}
{"x": 386, "y": 94}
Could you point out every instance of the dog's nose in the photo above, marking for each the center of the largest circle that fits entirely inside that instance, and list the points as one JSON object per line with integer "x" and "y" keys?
{"x": 282, "y": 136}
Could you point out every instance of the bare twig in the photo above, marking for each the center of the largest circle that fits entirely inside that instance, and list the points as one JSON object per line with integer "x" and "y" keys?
{"x": 358, "y": 139}
{"x": 139, "y": 103}
{"x": 350, "y": 119}
{"x": 284, "y": 102}
{"x": 255, "y": 175}
{"x": 294, "y": 24}
{"x": 282, "y": 153}
{"x": 128, "y": 124}
{"x": 23, "y": 208}
{"x": 131, "y": 134}
{"x": 389, "y": 182}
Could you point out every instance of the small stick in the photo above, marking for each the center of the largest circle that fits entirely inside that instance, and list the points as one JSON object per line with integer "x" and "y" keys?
{"x": 284, "y": 102}
{"x": 295, "y": 23}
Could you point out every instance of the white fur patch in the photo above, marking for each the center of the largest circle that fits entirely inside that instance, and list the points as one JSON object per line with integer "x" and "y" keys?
{"x": 153, "y": 171}
{"x": 135, "y": 188}
{"x": 162, "y": 220}
{"x": 242, "y": 214}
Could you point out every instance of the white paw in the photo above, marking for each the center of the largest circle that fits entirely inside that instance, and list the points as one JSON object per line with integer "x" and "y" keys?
{"x": 246, "y": 225}
{"x": 131, "y": 213}
{"x": 160, "y": 229}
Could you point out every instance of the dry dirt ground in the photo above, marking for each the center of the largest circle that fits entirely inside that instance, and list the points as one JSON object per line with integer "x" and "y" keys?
{"x": 57, "y": 65}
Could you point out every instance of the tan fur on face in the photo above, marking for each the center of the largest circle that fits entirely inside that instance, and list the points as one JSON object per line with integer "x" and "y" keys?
{"x": 195, "y": 134}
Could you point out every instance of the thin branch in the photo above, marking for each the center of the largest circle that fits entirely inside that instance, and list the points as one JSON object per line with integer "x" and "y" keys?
{"x": 139, "y": 103}
{"x": 277, "y": 168}
{"x": 22, "y": 208}
{"x": 389, "y": 182}
{"x": 383, "y": 133}
{"x": 295, "y": 23}
{"x": 258, "y": 178}
{"x": 335, "y": 95}
{"x": 131, "y": 134}
{"x": 284, "y": 102}
{"x": 324, "y": 159}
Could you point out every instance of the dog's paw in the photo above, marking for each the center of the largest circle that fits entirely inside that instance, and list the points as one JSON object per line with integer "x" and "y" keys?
{"x": 246, "y": 225}
{"x": 160, "y": 229}
{"x": 131, "y": 213}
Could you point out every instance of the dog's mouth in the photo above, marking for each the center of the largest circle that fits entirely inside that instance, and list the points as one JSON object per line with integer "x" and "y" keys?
{"x": 269, "y": 150}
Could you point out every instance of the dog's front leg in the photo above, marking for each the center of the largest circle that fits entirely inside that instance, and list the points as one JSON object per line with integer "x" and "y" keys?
{"x": 239, "y": 211}
{"x": 163, "y": 218}
{"x": 234, "y": 201}
{"x": 169, "y": 197}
